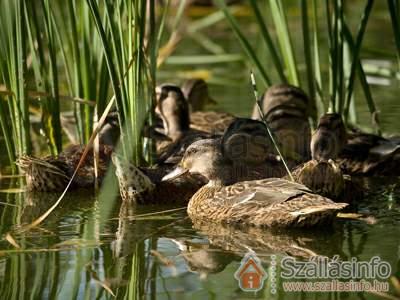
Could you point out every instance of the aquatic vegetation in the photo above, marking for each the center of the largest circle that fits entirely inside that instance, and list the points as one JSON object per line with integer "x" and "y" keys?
{"x": 343, "y": 51}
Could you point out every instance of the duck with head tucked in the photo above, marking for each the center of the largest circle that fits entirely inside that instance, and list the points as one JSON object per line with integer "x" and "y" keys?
{"x": 272, "y": 202}
{"x": 286, "y": 110}
{"x": 322, "y": 174}
{"x": 52, "y": 173}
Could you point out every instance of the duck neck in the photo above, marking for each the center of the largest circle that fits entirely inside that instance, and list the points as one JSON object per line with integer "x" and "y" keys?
{"x": 177, "y": 125}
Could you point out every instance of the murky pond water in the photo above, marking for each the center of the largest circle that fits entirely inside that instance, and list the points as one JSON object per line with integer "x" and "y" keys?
{"x": 93, "y": 246}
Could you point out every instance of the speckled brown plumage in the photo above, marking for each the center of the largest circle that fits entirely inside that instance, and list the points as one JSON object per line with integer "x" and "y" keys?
{"x": 53, "y": 173}
{"x": 324, "y": 178}
{"x": 197, "y": 95}
{"x": 211, "y": 121}
{"x": 286, "y": 109}
{"x": 370, "y": 155}
{"x": 268, "y": 202}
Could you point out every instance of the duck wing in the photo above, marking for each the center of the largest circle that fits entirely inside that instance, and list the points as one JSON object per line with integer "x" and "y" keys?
{"x": 260, "y": 193}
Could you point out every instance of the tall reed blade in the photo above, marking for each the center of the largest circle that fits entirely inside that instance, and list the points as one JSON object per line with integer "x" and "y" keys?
{"x": 284, "y": 40}
{"x": 308, "y": 60}
{"x": 395, "y": 18}
{"x": 244, "y": 42}
{"x": 268, "y": 41}
{"x": 259, "y": 105}
{"x": 363, "y": 80}
{"x": 356, "y": 53}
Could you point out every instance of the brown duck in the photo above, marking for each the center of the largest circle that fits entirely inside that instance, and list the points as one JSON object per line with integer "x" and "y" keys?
{"x": 270, "y": 202}
{"x": 323, "y": 174}
{"x": 53, "y": 173}
{"x": 173, "y": 109}
{"x": 286, "y": 109}
{"x": 198, "y": 97}
{"x": 370, "y": 155}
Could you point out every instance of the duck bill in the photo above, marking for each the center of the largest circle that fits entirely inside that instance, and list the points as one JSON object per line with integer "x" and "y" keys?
{"x": 177, "y": 172}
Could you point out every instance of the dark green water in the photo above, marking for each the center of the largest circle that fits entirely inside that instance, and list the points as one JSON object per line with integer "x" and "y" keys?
{"x": 90, "y": 242}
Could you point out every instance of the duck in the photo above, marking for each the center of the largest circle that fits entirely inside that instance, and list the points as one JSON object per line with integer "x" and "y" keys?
{"x": 329, "y": 138}
{"x": 271, "y": 202}
{"x": 247, "y": 148}
{"x": 366, "y": 154}
{"x": 244, "y": 143}
{"x": 173, "y": 110}
{"x": 198, "y": 97}
{"x": 354, "y": 151}
{"x": 286, "y": 110}
{"x": 52, "y": 173}
{"x": 322, "y": 174}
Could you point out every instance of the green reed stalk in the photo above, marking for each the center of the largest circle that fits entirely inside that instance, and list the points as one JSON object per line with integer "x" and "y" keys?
{"x": 53, "y": 104}
{"x": 244, "y": 42}
{"x": 356, "y": 53}
{"x": 284, "y": 40}
{"x": 308, "y": 58}
{"x": 136, "y": 282}
{"x": 339, "y": 52}
{"x": 319, "y": 97}
{"x": 130, "y": 56}
{"x": 393, "y": 6}
{"x": 14, "y": 115}
{"x": 268, "y": 41}
{"x": 363, "y": 80}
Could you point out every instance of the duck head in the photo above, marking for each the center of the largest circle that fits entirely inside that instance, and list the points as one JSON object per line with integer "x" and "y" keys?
{"x": 330, "y": 137}
{"x": 173, "y": 110}
{"x": 196, "y": 93}
{"x": 203, "y": 157}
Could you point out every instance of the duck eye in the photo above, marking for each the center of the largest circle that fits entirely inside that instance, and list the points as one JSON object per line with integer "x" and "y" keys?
{"x": 191, "y": 151}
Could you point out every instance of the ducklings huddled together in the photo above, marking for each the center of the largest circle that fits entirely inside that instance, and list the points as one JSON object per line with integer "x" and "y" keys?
{"x": 226, "y": 169}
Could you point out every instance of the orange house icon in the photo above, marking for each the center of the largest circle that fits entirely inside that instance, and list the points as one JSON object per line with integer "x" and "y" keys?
{"x": 251, "y": 274}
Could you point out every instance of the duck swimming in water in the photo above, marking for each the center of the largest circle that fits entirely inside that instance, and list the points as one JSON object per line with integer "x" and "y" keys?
{"x": 245, "y": 145}
{"x": 367, "y": 154}
{"x": 321, "y": 174}
{"x": 53, "y": 173}
{"x": 272, "y": 202}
